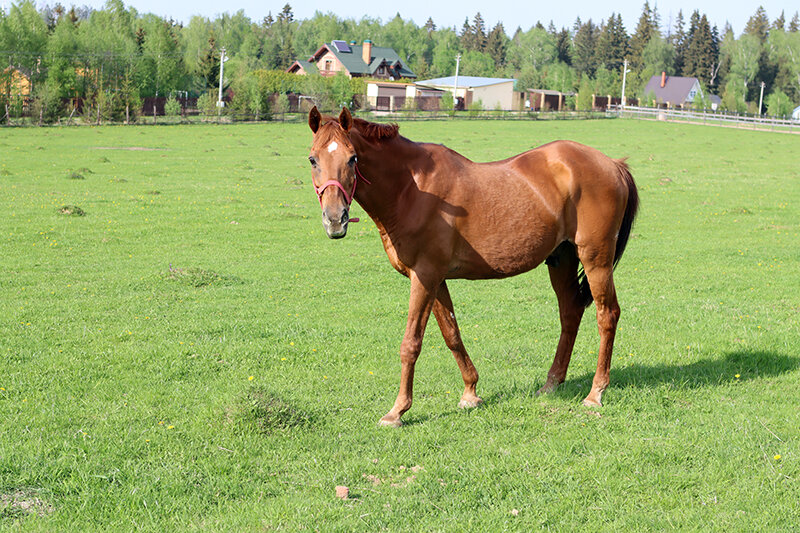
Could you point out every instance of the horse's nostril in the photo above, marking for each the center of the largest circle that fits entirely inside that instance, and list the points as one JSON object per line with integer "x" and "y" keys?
{"x": 344, "y": 218}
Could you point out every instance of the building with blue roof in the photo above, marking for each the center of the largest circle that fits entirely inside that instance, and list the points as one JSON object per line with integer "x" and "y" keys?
{"x": 492, "y": 93}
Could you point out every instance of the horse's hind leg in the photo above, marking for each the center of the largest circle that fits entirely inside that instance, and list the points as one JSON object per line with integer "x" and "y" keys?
{"x": 563, "y": 268}
{"x": 598, "y": 265}
{"x": 443, "y": 311}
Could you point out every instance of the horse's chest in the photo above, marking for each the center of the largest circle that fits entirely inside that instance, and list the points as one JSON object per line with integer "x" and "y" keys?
{"x": 392, "y": 254}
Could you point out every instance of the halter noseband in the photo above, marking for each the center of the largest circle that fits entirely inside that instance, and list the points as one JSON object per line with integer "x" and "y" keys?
{"x": 349, "y": 197}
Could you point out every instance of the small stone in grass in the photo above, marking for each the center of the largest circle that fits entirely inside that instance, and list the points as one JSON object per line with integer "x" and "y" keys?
{"x": 514, "y": 512}
{"x": 342, "y": 492}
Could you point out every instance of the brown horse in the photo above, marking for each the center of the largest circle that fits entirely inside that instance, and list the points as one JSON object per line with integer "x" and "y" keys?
{"x": 442, "y": 216}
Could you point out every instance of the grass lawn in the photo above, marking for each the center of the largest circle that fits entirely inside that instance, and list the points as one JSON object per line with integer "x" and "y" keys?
{"x": 182, "y": 348}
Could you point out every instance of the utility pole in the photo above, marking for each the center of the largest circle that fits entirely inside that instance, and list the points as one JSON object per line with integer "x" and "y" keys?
{"x": 761, "y": 98}
{"x": 222, "y": 60}
{"x": 455, "y": 85}
{"x": 624, "y": 77}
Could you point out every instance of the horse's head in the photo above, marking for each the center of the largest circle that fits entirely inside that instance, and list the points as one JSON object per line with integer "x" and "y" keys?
{"x": 333, "y": 169}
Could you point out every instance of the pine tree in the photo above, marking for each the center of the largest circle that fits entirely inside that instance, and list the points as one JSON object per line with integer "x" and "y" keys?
{"x": 479, "y": 33}
{"x": 780, "y": 22}
{"x": 430, "y": 26}
{"x": 585, "y": 43}
{"x": 701, "y": 53}
{"x": 794, "y": 25}
{"x": 678, "y": 41}
{"x": 645, "y": 31}
{"x": 467, "y": 36}
{"x": 497, "y": 45}
{"x": 564, "y": 46}
{"x": 758, "y": 25}
{"x": 612, "y": 44}
{"x": 283, "y": 31}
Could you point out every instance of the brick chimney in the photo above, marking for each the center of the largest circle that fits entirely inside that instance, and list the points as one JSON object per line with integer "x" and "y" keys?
{"x": 663, "y": 79}
{"x": 366, "y": 51}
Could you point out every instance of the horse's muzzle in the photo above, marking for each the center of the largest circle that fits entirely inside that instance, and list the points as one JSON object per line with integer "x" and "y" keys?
{"x": 335, "y": 226}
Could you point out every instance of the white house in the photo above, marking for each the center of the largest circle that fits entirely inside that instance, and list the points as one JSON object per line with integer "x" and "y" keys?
{"x": 796, "y": 113}
{"x": 493, "y": 93}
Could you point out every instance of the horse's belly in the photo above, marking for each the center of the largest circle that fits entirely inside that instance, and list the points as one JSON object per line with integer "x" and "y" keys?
{"x": 502, "y": 258}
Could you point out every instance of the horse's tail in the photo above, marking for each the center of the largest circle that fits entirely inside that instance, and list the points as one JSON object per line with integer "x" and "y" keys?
{"x": 631, "y": 208}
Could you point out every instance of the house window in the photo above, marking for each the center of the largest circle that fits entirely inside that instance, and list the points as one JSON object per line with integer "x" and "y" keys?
{"x": 328, "y": 64}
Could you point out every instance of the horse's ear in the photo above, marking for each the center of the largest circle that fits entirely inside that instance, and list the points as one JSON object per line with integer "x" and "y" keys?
{"x": 314, "y": 119}
{"x": 345, "y": 119}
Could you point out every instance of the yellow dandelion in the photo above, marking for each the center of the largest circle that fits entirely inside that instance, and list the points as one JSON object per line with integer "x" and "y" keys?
{"x": 777, "y": 457}
{"x": 370, "y": 373}
{"x": 283, "y": 359}
{"x": 291, "y": 343}
{"x": 737, "y": 376}
{"x": 250, "y": 378}
{"x": 170, "y": 427}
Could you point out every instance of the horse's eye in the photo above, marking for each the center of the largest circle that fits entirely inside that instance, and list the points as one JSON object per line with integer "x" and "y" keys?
{"x": 312, "y": 161}
{"x": 353, "y": 161}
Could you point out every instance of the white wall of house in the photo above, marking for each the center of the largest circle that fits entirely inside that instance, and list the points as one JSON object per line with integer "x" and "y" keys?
{"x": 499, "y": 95}
{"x": 694, "y": 91}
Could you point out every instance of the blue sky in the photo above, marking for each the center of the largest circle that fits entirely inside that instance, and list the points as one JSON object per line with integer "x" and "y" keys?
{"x": 510, "y": 13}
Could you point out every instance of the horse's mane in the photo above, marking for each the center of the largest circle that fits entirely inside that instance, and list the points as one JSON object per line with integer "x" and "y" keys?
{"x": 371, "y": 131}
{"x": 375, "y": 132}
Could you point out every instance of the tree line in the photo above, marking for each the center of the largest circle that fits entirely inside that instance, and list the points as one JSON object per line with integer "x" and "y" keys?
{"x": 112, "y": 58}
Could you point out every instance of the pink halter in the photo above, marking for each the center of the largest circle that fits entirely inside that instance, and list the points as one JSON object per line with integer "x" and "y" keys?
{"x": 349, "y": 197}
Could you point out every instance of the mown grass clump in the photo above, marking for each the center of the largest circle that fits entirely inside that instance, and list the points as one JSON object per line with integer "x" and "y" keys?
{"x": 264, "y": 412}
{"x": 199, "y": 277}
{"x": 71, "y": 211}
{"x": 19, "y": 504}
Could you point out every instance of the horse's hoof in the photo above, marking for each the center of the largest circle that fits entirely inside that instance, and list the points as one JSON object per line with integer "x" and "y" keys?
{"x": 591, "y": 402}
{"x": 546, "y": 389}
{"x": 470, "y": 403}
{"x": 390, "y": 422}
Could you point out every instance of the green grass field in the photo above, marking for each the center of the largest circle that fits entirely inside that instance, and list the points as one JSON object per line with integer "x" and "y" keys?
{"x": 183, "y": 349}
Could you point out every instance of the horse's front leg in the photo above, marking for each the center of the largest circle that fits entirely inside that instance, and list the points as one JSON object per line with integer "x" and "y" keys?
{"x": 446, "y": 317}
{"x": 421, "y": 301}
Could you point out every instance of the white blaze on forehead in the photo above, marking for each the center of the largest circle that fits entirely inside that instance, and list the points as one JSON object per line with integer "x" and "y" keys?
{"x": 333, "y": 146}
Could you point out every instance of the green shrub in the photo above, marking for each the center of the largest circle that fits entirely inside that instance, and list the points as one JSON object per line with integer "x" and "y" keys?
{"x": 172, "y": 107}
{"x": 779, "y": 104}
{"x": 46, "y": 107}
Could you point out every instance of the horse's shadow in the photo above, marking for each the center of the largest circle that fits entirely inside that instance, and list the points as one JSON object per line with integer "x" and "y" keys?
{"x": 711, "y": 372}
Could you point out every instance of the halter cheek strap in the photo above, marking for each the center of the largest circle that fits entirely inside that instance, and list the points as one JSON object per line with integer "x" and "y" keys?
{"x": 347, "y": 196}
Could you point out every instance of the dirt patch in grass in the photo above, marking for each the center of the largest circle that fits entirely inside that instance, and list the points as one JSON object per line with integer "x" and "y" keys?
{"x": 398, "y": 480}
{"x": 22, "y": 503}
{"x": 199, "y": 277}
{"x": 264, "y": 412}
{"x": 79, "y": 173}
{"x": 71, "y": 211}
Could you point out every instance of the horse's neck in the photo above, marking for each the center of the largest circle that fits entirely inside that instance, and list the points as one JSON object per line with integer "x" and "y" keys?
{"x": 388, "y": 167}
